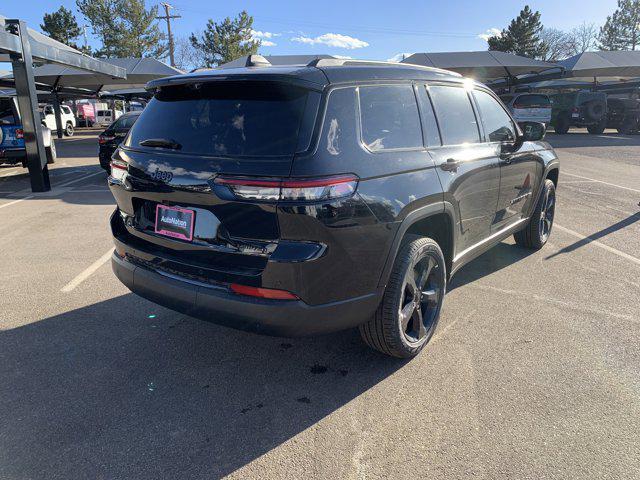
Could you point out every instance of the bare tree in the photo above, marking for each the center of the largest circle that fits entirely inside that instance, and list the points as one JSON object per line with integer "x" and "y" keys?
{"x": 187, "y": 57}
{"x": 584, "y": 38}
{"x": 557, "y": 44}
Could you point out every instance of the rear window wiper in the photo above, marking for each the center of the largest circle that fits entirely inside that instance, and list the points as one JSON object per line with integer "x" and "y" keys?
{"x": 161, "y": 143}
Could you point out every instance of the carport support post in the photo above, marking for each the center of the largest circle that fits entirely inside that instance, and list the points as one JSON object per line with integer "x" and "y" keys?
{"x": 28, "y": 105}
{"x": 58, "y": 113}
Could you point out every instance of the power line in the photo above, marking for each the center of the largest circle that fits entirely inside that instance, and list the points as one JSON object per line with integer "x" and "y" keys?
{"x": 168, "y": 18}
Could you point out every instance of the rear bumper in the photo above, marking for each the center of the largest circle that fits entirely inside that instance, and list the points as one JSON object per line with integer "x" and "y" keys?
{"x": 218, "y": 305}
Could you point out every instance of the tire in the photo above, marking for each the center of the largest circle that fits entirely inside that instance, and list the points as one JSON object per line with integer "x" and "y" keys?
{"x": 68, "y": 130}
{"x": 597, "y": 129}
{"x": 561, "y": 126}
{"x": 51, "y": 153}
{"x": 538, "y": 230}
{"x": 420, "y": 260}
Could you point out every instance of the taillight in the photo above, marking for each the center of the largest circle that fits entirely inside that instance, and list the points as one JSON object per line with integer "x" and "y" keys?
{"x": 19, "y": 133}
{"x": 257, "y": 292}
{"x": 289, "y": 190}
{"x": 102, "y": 139}
{"x": 118, "y": 169}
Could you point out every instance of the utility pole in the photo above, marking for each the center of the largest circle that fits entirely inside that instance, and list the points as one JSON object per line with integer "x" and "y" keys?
{"x": 168, "y": 18}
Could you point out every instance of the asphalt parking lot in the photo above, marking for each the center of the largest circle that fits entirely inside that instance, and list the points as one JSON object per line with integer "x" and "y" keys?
{"x": 534, "y": 371}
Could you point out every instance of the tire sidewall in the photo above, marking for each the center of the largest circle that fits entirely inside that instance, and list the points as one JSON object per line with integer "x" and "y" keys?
{"x": 393, "y": 296}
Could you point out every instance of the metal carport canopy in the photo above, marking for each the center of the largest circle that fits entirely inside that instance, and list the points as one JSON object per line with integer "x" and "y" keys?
{"x": 23, "y": 46}
{"x": 138, "y": 72}
{"x": 482, "y": 65}
{"x": 624, "y": 64}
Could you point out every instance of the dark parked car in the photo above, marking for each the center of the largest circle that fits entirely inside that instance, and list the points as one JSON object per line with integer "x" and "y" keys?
{"x": 298, "y": 200}
{"x": 579, "y": 109}
{"x": 623, "y": 114}
{"x": 109, "y": 140}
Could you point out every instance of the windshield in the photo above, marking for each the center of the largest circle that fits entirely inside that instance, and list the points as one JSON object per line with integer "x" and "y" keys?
{"x": 229, "y": 119}
{"x": 7, "y": 111}
{"x": 532, "y": 101}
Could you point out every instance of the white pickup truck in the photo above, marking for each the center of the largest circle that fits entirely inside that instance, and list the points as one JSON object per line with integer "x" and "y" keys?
{"x": 67, "y": 117}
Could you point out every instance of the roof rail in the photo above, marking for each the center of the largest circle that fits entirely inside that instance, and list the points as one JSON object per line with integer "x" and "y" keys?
{"x": 257, "y": 61}
{"x": 338, "y": 62}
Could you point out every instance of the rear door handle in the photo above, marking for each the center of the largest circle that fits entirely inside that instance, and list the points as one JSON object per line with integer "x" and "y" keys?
{"x": 451, "y": 165}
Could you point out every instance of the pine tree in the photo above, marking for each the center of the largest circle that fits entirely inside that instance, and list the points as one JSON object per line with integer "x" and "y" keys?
{"x": 227, "y": 40}
{"x": 125, "y": 27}
{"x": 621, "y": 31}
{"x": 522, "y": 36}
{"x": 62, "y": 26}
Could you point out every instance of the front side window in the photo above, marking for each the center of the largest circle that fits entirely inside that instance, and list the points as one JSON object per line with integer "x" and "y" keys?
{"x": 497, "y": 124}
{"x": 390, "y": 118}
{"x": 456, "y": 119}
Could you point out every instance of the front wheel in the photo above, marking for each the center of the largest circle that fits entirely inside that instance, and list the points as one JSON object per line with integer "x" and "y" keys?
{"x": 537, "y": 231}
{"x": 68, "y": 130}
{"x": 410, "y": 308}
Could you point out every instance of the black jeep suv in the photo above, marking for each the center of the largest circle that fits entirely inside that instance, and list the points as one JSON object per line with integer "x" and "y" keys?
{"x": 297, "y": 200}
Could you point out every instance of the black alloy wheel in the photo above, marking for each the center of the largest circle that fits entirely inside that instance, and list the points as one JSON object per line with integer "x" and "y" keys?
{"x": 410, "y": 309}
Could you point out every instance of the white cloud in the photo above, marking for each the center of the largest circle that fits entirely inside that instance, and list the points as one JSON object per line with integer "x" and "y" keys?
{"x": 491, "y": 32}
{"x": 264, "y": 37}
{"x": 398, "y": 57}
{"x": 332, "y": 40}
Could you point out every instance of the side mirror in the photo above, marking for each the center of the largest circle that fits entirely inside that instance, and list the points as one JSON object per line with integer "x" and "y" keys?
{"x": 533, "y": 131}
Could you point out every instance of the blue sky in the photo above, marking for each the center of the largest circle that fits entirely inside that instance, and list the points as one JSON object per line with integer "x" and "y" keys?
{"x": 359, "y": 29}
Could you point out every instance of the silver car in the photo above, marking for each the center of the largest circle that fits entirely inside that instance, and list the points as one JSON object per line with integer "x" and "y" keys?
{"x": 528, "y": 107}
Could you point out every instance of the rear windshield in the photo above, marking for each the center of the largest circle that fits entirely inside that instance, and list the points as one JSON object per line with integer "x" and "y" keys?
{"x": 533, "y": 101}
{"x": 104, "y": 113}
{"x": 7, "y": 112}
{"x": 225, "y": 119}
{"x": 124, "y": 122}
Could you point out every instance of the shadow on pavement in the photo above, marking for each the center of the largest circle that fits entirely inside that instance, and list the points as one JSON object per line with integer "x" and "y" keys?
{"x": 499, "y": 257}
{"x": 586, "y": 140}
{"x": 598, "y": 235}
{"x": 104, "y": 391}
{"x": 16, "y": 186}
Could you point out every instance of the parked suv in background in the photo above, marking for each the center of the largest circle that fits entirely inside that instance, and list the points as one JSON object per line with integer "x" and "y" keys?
{"x": 579, "y": 109}
{"x": 299, "y": 200}
{"x": 66, "y": 115}
{"x": 12, "y": 148}
{"x": 528, "y": 107}
{"x": 623, "y": 114}
{"x": 109, "y": 140}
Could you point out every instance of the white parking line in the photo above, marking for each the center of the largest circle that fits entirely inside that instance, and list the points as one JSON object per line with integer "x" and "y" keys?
{"x": 600, "y": 181}
{"x": 76, "y": 180}
{"x": 16, "y": 201}
{"x": 90, "y": 270}
{"x": 596, "y": 243}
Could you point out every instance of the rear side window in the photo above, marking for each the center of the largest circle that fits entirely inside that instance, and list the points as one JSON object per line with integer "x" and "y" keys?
{"x": 498, "y": 126}
{"x": 457, "y": 121}
{"x": 225, "y": 119}
{"x": 429, "y": 118}
{"x": 390, "y": 118}
{"x": 532, "y": 101}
